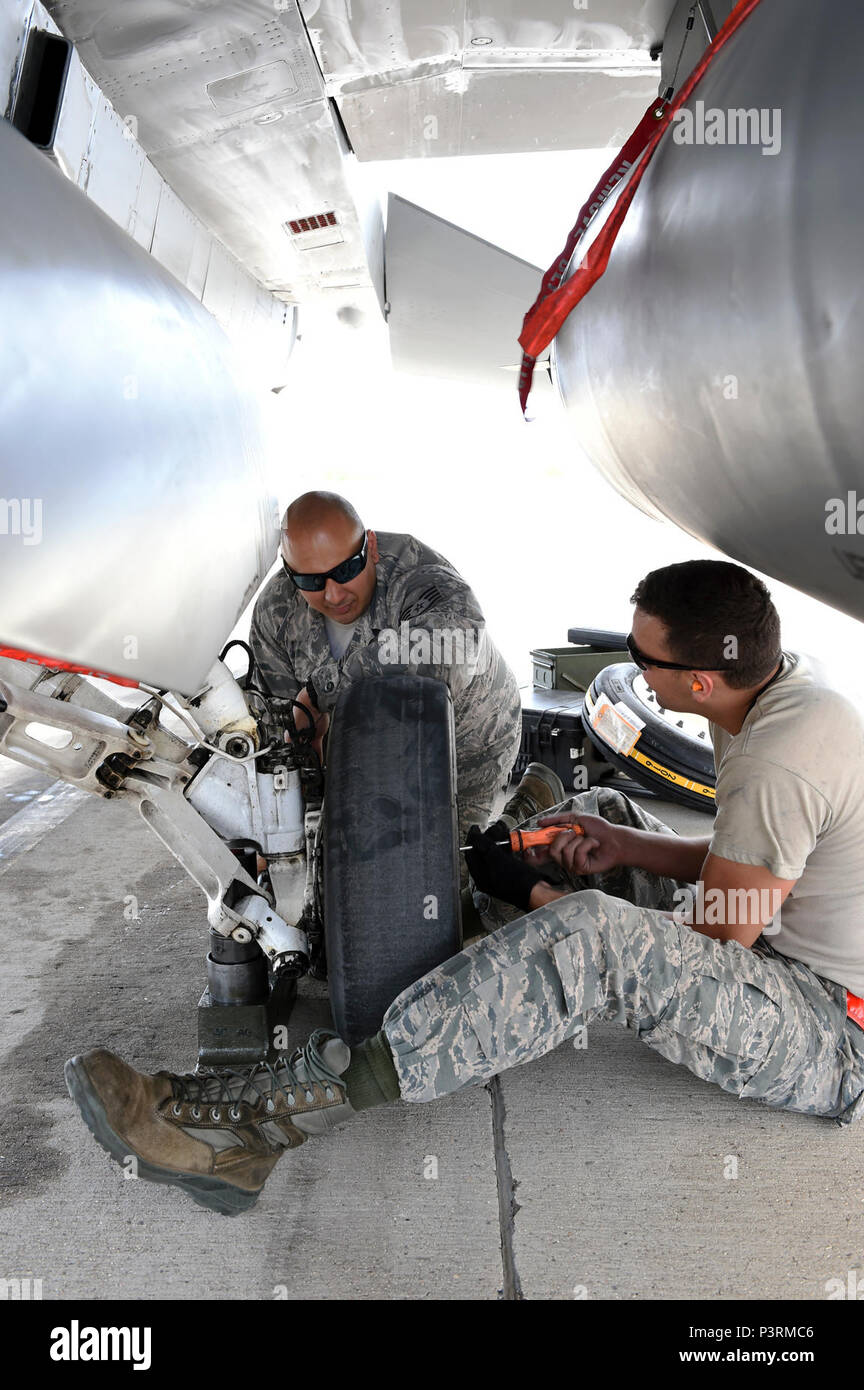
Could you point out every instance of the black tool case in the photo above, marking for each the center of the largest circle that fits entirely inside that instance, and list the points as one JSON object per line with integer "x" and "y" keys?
{"x": 552, "y": 734}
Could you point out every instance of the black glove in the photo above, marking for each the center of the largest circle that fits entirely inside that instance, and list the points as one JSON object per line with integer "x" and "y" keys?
{"x": 498, "y": 871}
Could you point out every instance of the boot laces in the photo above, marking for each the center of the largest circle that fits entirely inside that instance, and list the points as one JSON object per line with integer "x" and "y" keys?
{"x": 264, "y": 1080}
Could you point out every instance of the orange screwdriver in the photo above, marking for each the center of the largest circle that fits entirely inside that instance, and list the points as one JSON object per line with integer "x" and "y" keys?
{"x": 520, "y": 840}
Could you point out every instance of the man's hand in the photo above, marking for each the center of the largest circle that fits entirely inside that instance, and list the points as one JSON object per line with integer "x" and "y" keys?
{"x": 605, "y": 846}
{"x": 319, "y": 721}
{"x": 601, "y": 847}
{"x": 497, "y": 871}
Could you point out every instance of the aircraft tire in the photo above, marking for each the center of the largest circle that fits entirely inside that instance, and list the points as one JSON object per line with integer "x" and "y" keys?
{"x": 664, "y": 758}
{"x": 390, "y": 848}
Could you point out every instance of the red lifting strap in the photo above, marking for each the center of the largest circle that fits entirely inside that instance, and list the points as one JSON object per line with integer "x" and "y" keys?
{"x": 555, "y": 301}
{"x": 18, "y": 655}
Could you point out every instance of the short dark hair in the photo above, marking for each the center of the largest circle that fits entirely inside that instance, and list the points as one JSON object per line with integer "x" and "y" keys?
{"x": 704, "y": 603}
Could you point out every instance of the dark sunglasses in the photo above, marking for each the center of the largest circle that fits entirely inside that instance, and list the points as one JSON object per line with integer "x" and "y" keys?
{"x": 340, "y": 574}
{"x": 643, "y": 661}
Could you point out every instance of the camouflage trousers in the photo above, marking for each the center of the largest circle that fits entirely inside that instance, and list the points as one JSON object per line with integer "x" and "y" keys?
{"x": 754, "y": 1022}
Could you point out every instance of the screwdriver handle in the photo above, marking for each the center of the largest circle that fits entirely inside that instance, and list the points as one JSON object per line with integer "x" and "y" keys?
{"x": 530, "y": 839}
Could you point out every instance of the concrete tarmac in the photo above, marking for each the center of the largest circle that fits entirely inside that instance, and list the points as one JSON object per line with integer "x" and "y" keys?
{"x": 596, "y": 1173}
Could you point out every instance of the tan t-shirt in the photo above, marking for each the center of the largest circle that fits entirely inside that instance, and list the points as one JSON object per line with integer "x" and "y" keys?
{"x": 790, "y": 797}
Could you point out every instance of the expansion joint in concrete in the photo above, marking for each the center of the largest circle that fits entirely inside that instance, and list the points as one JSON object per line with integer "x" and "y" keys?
{"x": 507, "y": 1204}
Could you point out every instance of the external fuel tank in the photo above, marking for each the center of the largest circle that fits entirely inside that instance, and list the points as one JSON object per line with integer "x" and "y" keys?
{"x": 715, "y": 373}
{"x": 136, "y": 519}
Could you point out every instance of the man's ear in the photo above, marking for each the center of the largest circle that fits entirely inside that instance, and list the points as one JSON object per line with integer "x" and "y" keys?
{"x": 373, "y": 547}
{"x": 702, "y": 685}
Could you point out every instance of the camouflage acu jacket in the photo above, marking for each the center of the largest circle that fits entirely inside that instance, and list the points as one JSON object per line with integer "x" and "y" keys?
{"x": 423, "y": 617}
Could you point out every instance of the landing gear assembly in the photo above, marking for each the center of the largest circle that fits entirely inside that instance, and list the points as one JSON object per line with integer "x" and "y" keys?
{"x": 365, "y": 858}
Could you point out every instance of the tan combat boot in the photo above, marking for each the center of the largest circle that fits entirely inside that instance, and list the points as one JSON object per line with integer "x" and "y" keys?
{"x": 539, "y": 790}
{"x": 215, "y": 1134}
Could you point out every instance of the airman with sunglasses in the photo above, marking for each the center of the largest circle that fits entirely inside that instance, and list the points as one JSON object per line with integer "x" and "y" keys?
{"x": 761, "y": 990}
{"x": 317, "y": 623}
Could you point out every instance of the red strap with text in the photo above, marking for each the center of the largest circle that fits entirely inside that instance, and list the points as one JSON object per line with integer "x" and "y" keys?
{"x": 556, "y": 300}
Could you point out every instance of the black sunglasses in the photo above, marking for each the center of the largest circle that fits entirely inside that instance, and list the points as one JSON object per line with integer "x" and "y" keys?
{"x": 340, "y": 574}
{"x": 643, "y": 661}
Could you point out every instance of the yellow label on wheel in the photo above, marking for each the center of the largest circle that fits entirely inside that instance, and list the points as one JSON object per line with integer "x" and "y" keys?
{"x": 671, "y": 776}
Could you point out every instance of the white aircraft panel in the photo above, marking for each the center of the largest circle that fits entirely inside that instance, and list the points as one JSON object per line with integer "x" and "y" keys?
{"x": 114, "y": 166}
{"x": 75, "y": 122}
{"x": 456, "y": 301}
{"x": 498, "y": 111}
{"x": 196, "y": 276}
{"x": 146, "y": 206}
{"x": 174, "y": 236}
{"x": 13, "y": 30}
{"x": 365, "y": 43}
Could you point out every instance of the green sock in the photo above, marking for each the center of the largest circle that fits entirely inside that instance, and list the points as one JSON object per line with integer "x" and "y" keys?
{"x": 371, "y": 1078}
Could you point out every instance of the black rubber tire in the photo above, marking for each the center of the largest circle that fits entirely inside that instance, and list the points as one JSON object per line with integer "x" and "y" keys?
{"x": 673, "y": 750}
{"x": 389, "y": 845}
